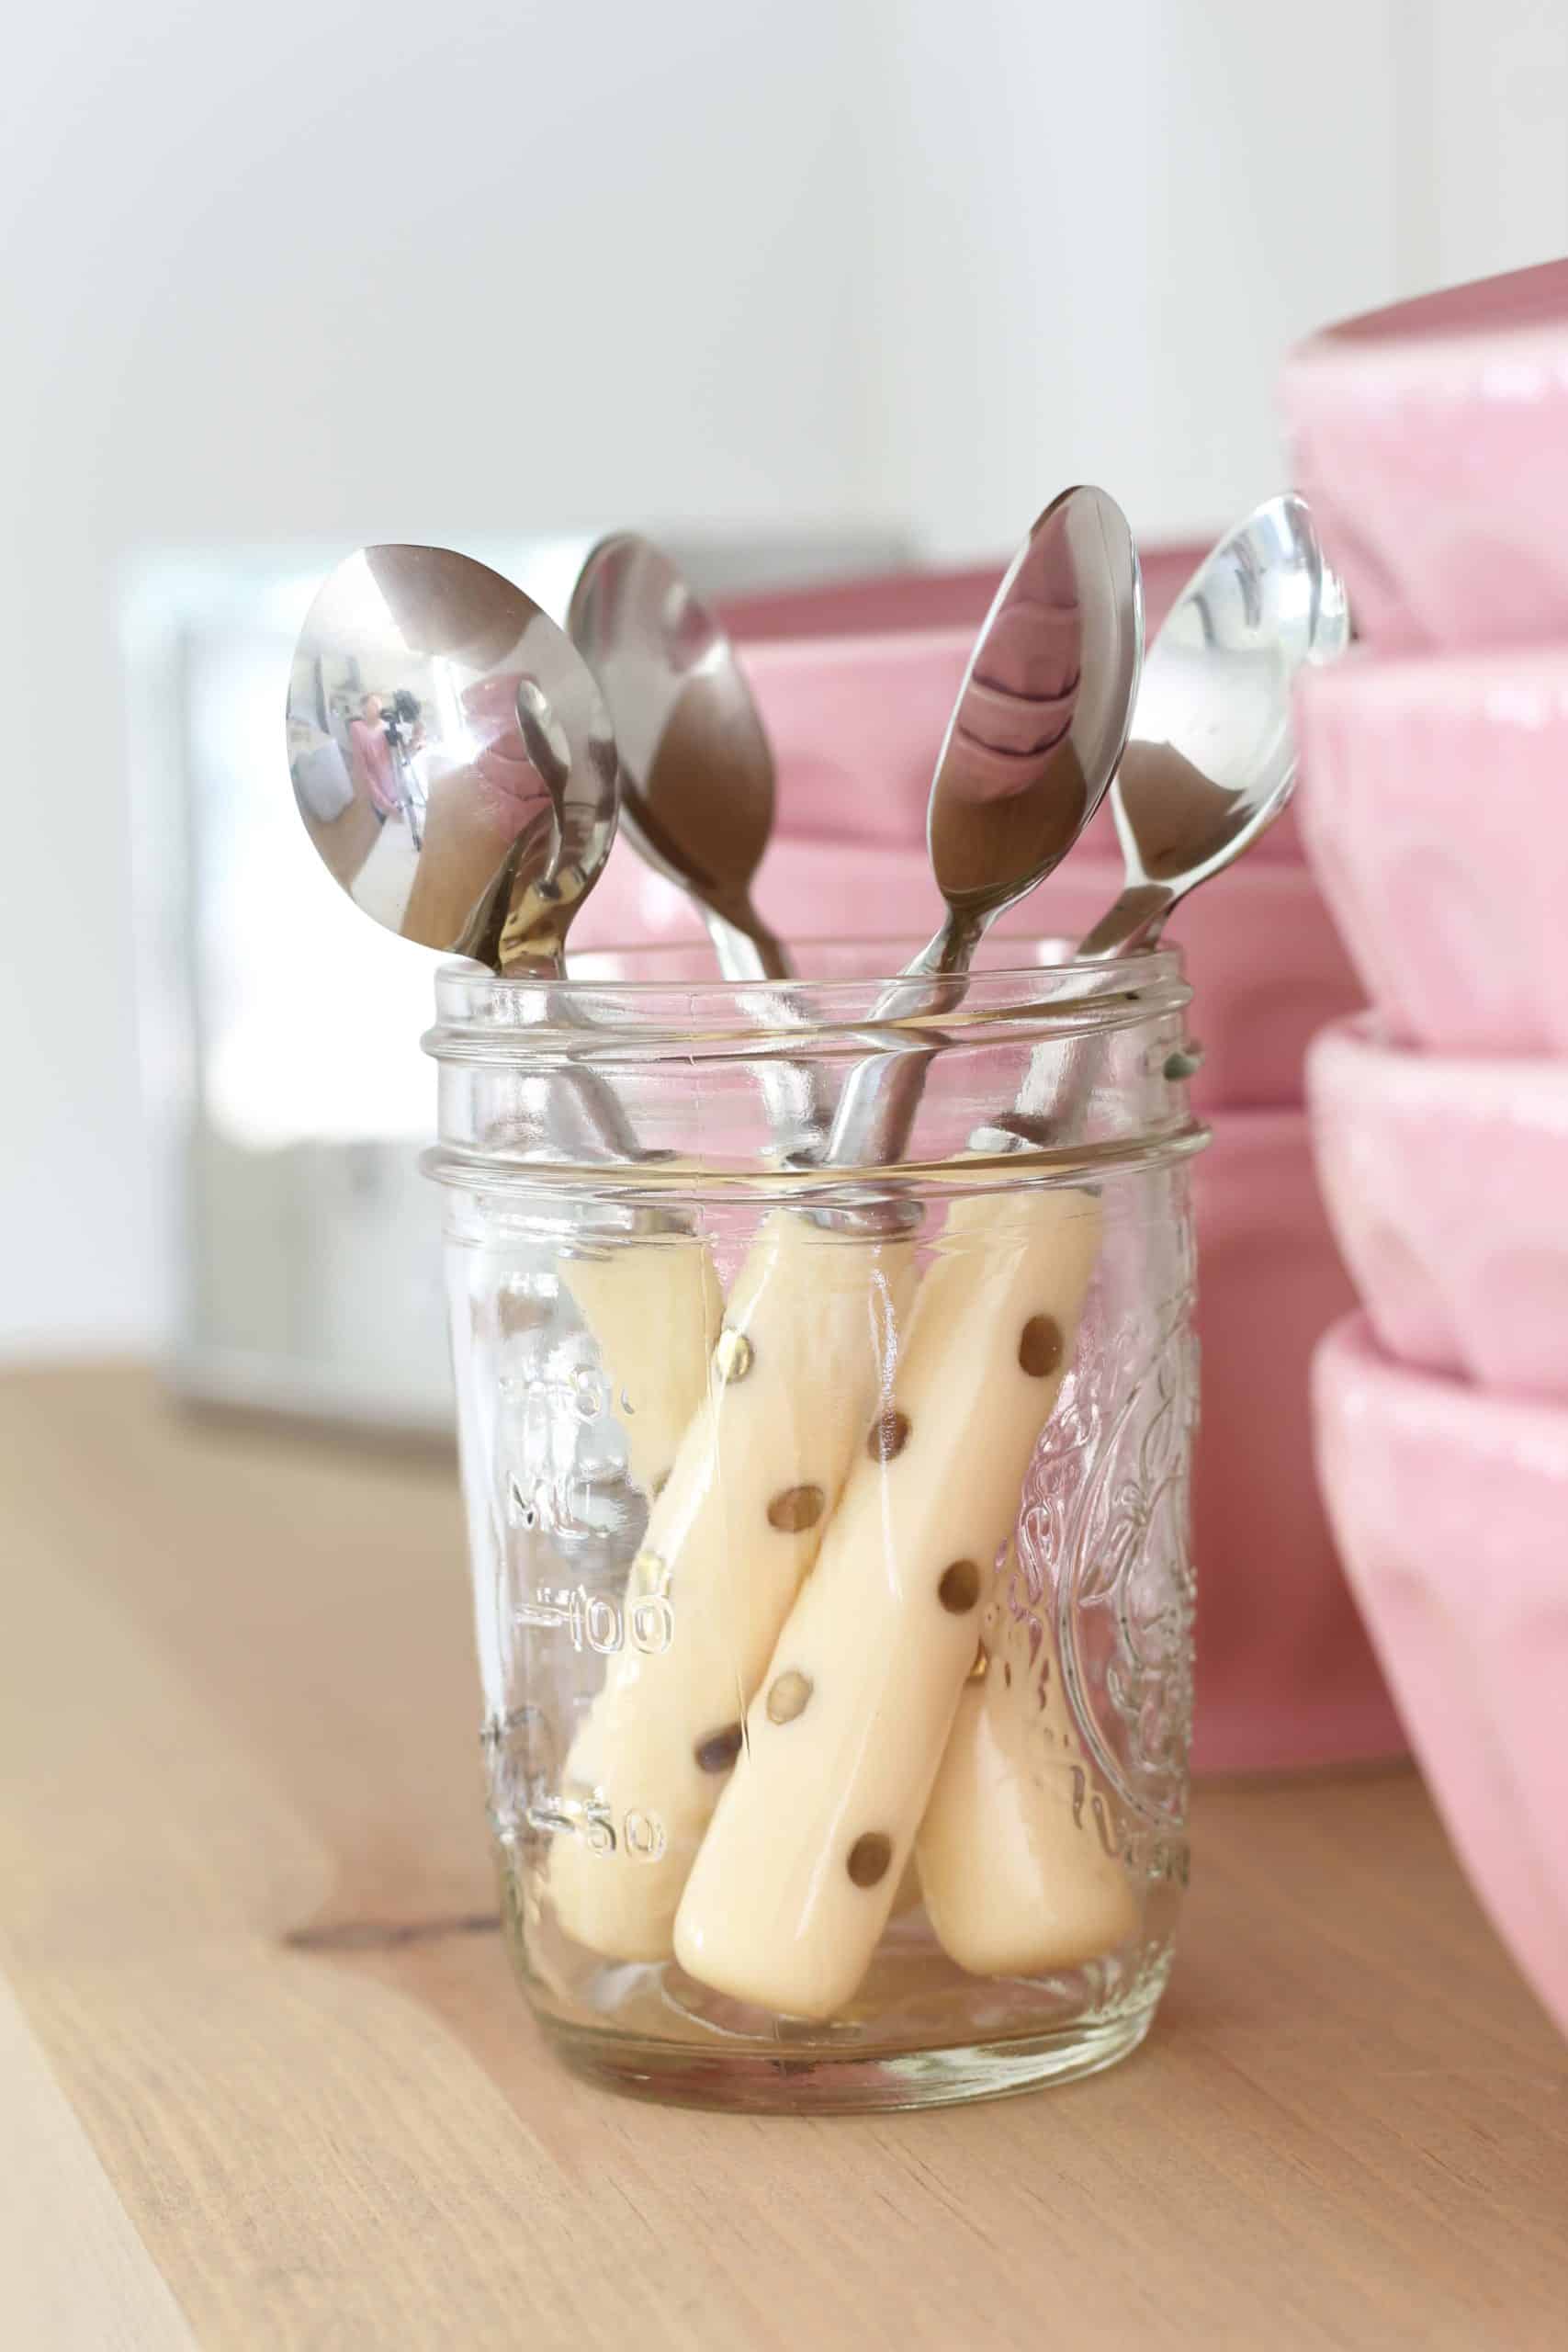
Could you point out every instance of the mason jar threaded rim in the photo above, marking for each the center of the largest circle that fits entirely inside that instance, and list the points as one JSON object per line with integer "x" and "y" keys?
{"x": 669, "y": 1006}
{"x": 656, "y": 1017}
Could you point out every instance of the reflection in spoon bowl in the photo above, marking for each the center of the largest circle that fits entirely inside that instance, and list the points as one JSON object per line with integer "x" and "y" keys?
{"x": 1047, "y": 692}
{"x": 1014, "y": 727}
{"x": 697, "y": 771}
{"x": 1211, "y": 759}
{"x": 1172, "y": 809}
{"x": 449, "y": 748}
{"x": 1036, "y": 736}
{"x": 696, "y": 782}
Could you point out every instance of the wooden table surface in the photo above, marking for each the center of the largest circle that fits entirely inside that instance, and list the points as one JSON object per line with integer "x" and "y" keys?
{"x": 265, "y": 2080}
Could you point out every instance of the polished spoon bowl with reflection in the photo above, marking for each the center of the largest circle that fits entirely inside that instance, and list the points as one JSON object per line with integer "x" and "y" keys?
{"x": 455, "y": 767}
{"x": 1211, "y": 757}
{"x": 452, "y": 758}
{"x": 697, "y": 781}
{"x": 698, "y": 786}
{"x": 1036, "y": 736}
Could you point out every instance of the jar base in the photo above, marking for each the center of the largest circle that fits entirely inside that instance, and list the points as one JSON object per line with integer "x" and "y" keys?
{"x": 859, "y": 2082}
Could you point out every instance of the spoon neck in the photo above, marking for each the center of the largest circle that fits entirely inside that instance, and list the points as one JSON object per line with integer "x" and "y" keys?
{"x": 1135, "y": 921}
{"x": 951, "y": 951}
{"x": 744, "y": 946}
{"x": 531, "y": 964}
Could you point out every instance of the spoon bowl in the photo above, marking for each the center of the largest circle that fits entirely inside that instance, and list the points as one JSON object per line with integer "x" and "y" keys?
{"x": 1041, "y": 719}
{"x": 1211, "y": 758}
{"x": 1036, "y": 734}
{"x": 452, "y": 756}
{"x": 697, "y": 784}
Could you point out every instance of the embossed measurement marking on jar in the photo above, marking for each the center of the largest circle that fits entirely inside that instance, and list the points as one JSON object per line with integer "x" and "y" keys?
{"x": 639, "y": 1834}
{"x": 596, "y": 1623}
{"x": 565, "y": 1505}
{"x": 585, "y": 1391}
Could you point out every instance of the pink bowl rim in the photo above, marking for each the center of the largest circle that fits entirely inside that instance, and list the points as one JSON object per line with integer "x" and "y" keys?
{"x": 1493, "y": 1085}
{"x": 1465, "y": 326}
{"x": 1437, "y": 673}
{"x": 1477, "y": 1419}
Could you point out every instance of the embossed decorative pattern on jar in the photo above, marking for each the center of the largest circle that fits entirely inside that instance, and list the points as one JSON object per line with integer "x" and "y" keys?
{"x": 828, "y": 1527}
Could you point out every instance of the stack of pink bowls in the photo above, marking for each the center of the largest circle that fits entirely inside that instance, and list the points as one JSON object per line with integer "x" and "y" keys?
{"x": 1433, "y": 441}
{"x": 856, "y": 684}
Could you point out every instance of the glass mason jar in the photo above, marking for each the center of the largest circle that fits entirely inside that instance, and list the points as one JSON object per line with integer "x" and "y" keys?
{"x": 828, "y": 1526}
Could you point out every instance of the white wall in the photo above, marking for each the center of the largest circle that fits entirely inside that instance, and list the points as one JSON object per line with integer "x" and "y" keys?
{"x": 333, "y": 269}
{"x": 348, "y": 270}
{"x": 1101, "y": 227}
{"x": 1496, "y": 156}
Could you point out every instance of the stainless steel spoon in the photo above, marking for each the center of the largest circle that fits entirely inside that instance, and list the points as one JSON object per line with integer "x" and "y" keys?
{"x": 1211, "y": 758}
{"x": 472, "y": 756}
{"x": 454, "y": 766}
{"x": 698, "y": 783}
{"x": 1034, "y": 738}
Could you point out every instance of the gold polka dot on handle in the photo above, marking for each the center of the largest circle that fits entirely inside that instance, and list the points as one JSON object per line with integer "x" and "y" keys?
{"x": 796, "y": 1508}
{"x": 889, "y": 1436}
{"x": 869, "y": 1857}
{"x": 718, "y": 1751}
{"x": 1040, "y": 1347}
{"x": 650, "y": 1576}
{"x": 733, "y": 1356}
{"x": 959, "y": 1587}
{"x": 788, "y": 1694}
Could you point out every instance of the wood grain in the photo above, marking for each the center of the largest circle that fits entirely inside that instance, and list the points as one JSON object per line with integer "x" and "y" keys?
{"x": 73, "y": 2269}
{"x": 263, "y": 2068}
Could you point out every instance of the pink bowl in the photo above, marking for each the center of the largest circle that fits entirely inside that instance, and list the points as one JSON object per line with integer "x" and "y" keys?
{"x": 1434, "y": 813}
{"x": 1261, "y": 953}
{"x": 1447, "y": 1183}
{"x": 1451, "y": 1508}
{"x": 1432, "y": 440}
{"x": 1286, "y": 1676}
